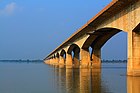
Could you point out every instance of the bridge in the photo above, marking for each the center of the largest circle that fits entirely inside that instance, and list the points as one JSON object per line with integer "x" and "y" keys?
{"x": 117, "y": 16}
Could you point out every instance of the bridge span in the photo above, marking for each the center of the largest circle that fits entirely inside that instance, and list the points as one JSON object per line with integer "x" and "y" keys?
{"x": 117, "y": 16}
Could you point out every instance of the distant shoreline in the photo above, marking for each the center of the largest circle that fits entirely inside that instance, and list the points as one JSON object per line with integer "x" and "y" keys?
{"x": 21, "y": 60}
{"x": 114, "y": 61}
{"x": 38, "y": 61}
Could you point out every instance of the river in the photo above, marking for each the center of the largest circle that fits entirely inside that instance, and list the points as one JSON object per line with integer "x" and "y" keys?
{"x": 41, "y": 78}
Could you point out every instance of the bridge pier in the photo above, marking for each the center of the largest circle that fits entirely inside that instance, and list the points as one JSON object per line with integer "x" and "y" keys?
{"x": 56, "y": 61}
{"x": 69, "y": 61}
{"x": 85, "y": 58}
{"x": 51, "y": 61}
{"x": 133, "y": 66}
{"x": 61, "y": 62}
{"x": 76, "y": 62}
{"x": 96, "y": 58}
{"x": 47, "y": 61}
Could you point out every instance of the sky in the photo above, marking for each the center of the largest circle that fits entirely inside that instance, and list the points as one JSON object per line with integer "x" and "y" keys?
{"x": 31, "y": 29}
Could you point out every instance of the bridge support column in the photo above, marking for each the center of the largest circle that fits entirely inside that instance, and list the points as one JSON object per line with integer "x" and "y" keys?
{"x": 76, "y": 62}
{"x": 133, "y": 65}
{"x": 56, "y": 62}
{"x": 85, "y": 58}
{"x": 51, "y": 61}
{"x": 47, "y": 61}
{"x": 61, "y": 62}
{"x": 96, "y": 58}
{"x": 69, "y": 61}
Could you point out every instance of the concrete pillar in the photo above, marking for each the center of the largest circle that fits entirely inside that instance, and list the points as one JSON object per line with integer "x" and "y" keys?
{"x": 85, "y": 58}
{"x": 56, "y": 61}
{"x": 47, "y": 61}
{"x": 69, "y": 61}
{"x": 53, "y": 61}
{"x": 133, "y": 84}
{"x": 133, "y": 65}
{"x": 50, "y": 61}
{"x": 76, "y": 62}
{"x": 61, "y": 62}
{"x": 85, "y": 74}
{"x": 96, "y": 58}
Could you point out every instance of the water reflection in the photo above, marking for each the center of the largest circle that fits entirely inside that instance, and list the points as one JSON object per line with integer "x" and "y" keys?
{"x": 105, "y": 80}
{"x": 85, "y": 80}
{"x": 69, "y": 80}
{"x": 61, "y": 80}
{"x": 78, "y": 80}
{"x": 90, "y": 81}
{"x": 41, "y": 78}
{"x": 72, "y": 80}
{"x": 133, "y": 84}
{"x": 95, "y": 80}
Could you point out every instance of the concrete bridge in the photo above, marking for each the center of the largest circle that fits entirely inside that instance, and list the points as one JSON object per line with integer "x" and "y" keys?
{"x": 119, "y": 15}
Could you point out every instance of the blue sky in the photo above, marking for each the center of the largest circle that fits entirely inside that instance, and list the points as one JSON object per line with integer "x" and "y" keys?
{"x": 31, "y": 29}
